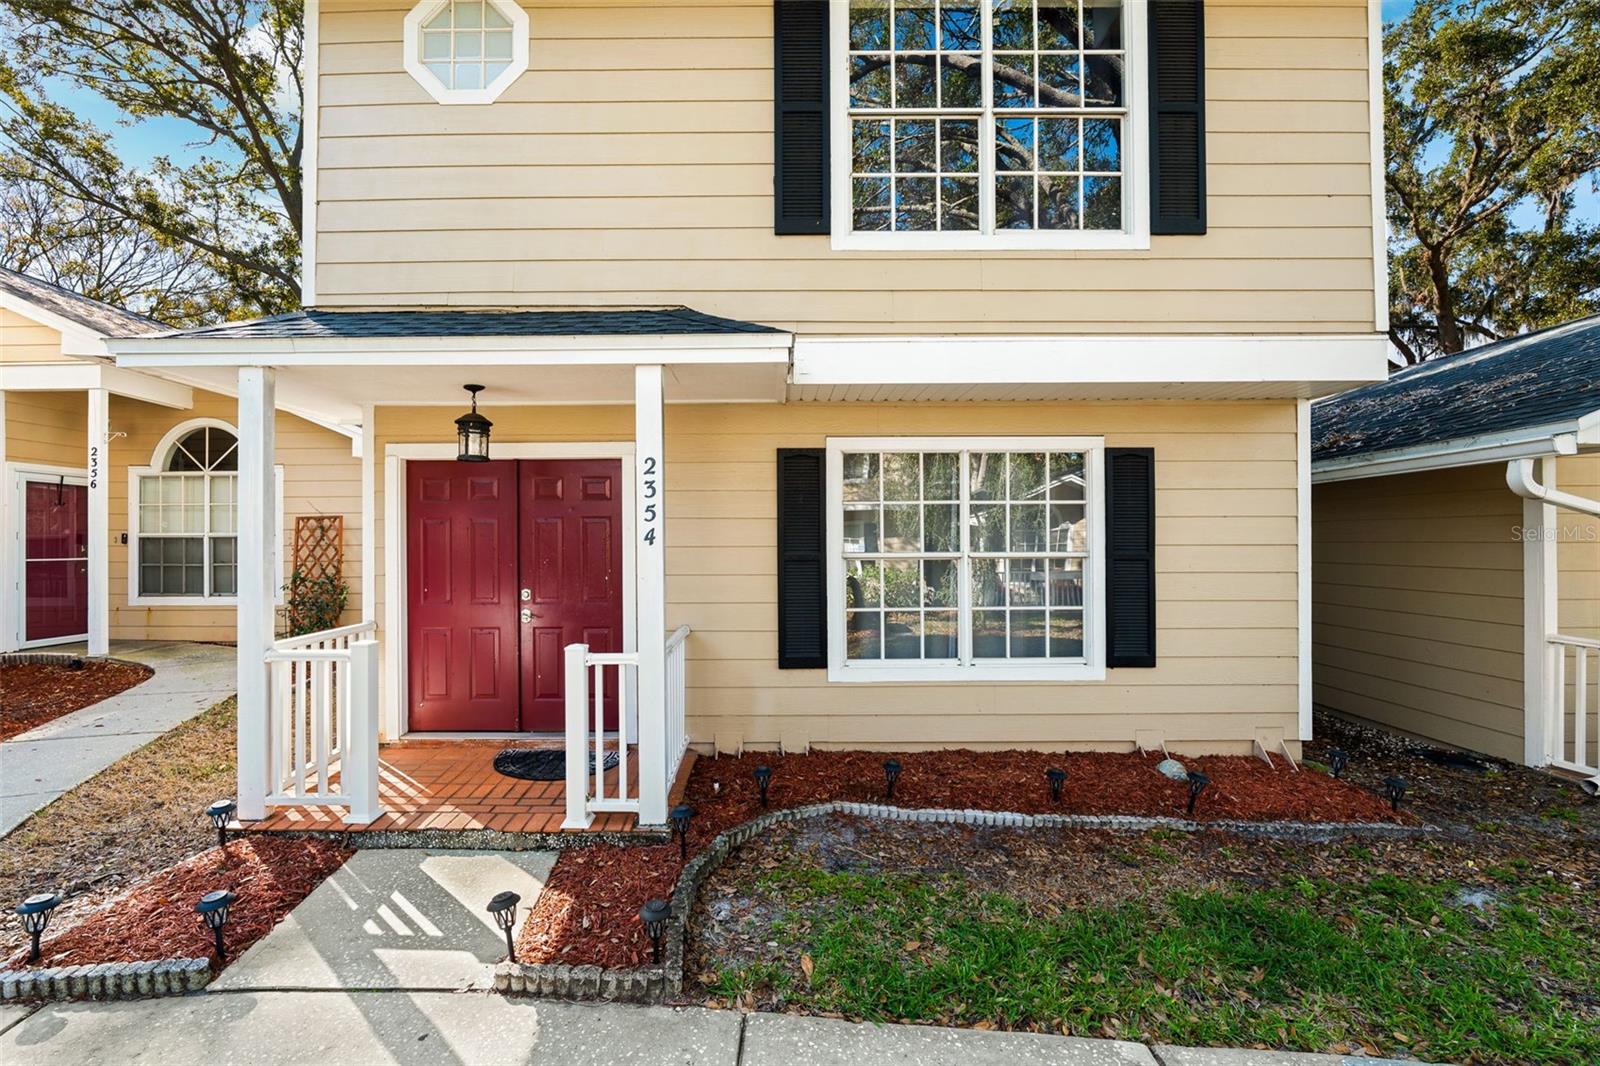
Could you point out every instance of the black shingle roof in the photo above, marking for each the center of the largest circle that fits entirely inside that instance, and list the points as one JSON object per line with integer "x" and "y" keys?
{"x": 595, "y": 323}
{"x": 92, "y": 314}
{"x": 1537, "y": 379}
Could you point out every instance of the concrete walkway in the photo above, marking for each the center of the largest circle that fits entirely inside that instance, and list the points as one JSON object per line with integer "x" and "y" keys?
{"x": 447, "y": 1029}
{"x": 41, "y": 764}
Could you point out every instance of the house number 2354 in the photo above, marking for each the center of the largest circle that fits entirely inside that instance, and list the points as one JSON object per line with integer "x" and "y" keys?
{"x": 648, "y": 490}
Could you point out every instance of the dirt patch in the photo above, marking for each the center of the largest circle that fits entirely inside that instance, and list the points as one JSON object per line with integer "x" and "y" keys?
{"x": 32, "y": 694}
{"x": 588, "y": 913}
{"x": 141, "y": 814}
{"x": 157, "y": 918}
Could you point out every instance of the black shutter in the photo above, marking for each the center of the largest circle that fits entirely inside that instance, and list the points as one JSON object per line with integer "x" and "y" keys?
{"x": 1177, "y": 116}
{"x": 1131, "y": 557}
{"x": 802, "y": 571}
{"x": 800, "y": 143}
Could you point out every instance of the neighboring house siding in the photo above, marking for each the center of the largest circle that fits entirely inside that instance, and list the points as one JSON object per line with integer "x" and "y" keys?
{"x": 1417, "y": 607}
{"x": 22, "y": 340}
{"x": 632, "y": 164}
{"x": 1578, "y": 553}
{"x": 1226, "y": 574}
{"x": 320, "y": 477}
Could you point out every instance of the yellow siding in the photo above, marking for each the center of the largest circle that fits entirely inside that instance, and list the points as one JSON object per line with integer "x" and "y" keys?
{"x": 1417, "y": 606}
{"x": 47, "y": 428}
{"x": 320, "y": 477}
{"x": 632, "y": 164}
{"x": 1226, "y": 559}
{"x": 22, "y": 340}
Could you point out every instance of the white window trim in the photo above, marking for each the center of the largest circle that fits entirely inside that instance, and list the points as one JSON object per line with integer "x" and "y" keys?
{"x": 424, "y": 77}
{"x": 1135, "y": 150}
{"x": 1093, "y": 665}
{"x": 136, "y": 597}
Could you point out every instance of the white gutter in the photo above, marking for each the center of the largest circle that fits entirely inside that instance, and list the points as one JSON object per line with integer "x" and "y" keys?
{"x": 1525, "y": 483}
{"x": 1533, "y": 442}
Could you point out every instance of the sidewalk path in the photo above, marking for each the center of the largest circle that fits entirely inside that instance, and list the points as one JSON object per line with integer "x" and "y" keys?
{"x": 41, "y": 764}
{"x": 472, "y": 1028}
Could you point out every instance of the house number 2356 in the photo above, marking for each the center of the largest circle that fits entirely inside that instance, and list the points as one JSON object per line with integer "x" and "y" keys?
{"x": 649, "y": 490}
{"x": 94, "y": 466}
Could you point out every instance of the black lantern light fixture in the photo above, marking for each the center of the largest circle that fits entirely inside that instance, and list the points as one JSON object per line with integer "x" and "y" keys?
{"x": 35, "y": 914}
{"x": 763, "y": 776}
{"x": 891, "y": 774}
{"x": 680, "y": 815}
{"x": 213, "y": 907}
{"x": 1197, "y": 784}
{"x": 654, "y": 915}
{"x": 1057, "y": 777}
{"x": 221, "y": 813}
{"x": 1337, "y": 761}
{"x": 1395, "y": 789}
{"x": 504, "y": 909}
{"x": 472, "y": 430}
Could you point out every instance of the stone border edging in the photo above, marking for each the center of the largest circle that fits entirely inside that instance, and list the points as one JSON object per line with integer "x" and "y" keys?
{"x": 652, "y": 984}
{"x": 107, "y": 980}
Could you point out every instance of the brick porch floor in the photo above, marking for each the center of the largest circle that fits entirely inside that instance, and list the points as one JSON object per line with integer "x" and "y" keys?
{"x": 452, "y": 785}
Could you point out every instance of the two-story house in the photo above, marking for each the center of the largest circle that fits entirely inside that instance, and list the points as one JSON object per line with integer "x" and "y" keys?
{"x": 935, "y": 372}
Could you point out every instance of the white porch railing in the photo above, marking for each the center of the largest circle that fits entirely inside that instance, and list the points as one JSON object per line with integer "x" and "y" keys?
{"x": 1574, "y": 712}
{"x": 322, "y": 702}
{"x": 588, "y": 677}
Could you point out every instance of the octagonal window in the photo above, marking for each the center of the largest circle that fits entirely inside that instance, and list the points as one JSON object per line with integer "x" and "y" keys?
{"x": 466, "y": 51}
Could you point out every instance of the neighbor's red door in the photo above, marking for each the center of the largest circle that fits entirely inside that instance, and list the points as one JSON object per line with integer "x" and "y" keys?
{"x": 56, "y": 560}
{"x": 509, "y": 562}
{"x": 461, "y": 540}
{"x": 571, "y": 558}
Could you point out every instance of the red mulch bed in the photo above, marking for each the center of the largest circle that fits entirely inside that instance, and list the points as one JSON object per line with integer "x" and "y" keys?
{"x": 35, "y": 693}
{"x": 588, "y": 913}
{"x": 157, "y": 919}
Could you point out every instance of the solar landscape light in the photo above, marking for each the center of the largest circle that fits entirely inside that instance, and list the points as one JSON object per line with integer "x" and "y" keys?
{"x": 213, "y": 907}
{"x": 1395, "y": 789}
{"x": 221, "y": 813}
{"x": 504, "y": 909}
{"x": 763, "y": 776}
{"x": 35, "y": 914}
{"x": 680, "y": 815}
{"x": 1337, "y": 761}
{"x": 1197, "y": 784}
{"x": 1057, "y": 777}
{"x": 654, "y": 914}
{"x": 891, "y": 774}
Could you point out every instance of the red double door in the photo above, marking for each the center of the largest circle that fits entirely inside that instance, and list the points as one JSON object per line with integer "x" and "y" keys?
{"x": 509, "y": 561}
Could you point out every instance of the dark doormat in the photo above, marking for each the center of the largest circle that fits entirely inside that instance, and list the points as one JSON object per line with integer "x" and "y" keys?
{"x": 541, "y": 764}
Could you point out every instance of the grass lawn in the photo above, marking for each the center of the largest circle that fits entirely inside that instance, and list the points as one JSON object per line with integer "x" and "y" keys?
{"x": 1207, "y": 940}
{"x": 141, "y": 814}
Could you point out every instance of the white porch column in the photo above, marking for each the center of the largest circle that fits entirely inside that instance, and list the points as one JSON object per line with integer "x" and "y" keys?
{"x": 1540, "y": 600}
{"x": 99, "y": 546}
{"x": 369, "y": 515}
{"x": 650, "y": 533}
{"x": 258, "y": 509}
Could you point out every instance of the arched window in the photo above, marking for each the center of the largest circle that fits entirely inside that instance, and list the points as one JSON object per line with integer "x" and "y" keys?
{"x": 188, "y": 514}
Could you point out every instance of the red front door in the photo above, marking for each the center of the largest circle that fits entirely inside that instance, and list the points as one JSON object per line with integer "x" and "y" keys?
{"x": 509, "y": 562}
{"x": 55, "y": 564}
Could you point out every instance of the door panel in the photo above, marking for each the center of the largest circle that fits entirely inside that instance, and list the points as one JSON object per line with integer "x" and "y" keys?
{"x": 462, "y": 595}
{"x": 571, "y": 558}
{"x": 55, "y": 560}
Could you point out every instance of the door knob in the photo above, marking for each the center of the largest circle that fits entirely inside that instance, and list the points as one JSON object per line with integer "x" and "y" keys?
{"x": 527, "y": 616}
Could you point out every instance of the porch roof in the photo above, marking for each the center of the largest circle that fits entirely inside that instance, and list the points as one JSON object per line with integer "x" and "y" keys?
{"x": 603, "y": 322}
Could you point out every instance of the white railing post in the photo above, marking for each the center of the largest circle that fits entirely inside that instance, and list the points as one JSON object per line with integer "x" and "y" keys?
{"x": 577, "y": 693}
{"x": 650, "y": 538}
{"x": 358, "y": 765}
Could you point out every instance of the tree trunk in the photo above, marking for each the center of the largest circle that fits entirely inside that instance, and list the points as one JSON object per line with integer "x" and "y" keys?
{"x": 1450, "y": 341}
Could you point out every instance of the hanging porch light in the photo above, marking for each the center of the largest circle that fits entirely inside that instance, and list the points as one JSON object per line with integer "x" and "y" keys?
{"x": 472, "y": 430}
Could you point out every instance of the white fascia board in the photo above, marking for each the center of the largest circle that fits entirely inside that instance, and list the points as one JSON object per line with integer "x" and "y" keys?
{"x": 75, "y": 377}
{"x": 1143, "y": 359}
{"x": 437, "y": 351}
{"x": 1588, "y": 431}
{"x": 1531, "y": 442}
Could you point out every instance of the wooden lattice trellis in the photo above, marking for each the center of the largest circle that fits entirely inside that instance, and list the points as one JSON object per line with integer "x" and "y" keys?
{"x": 319, "y": 545}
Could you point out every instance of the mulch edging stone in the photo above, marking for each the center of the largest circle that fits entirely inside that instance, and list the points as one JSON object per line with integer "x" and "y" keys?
{"x": 107, "y": 980}
{"x": 658, "y": 983}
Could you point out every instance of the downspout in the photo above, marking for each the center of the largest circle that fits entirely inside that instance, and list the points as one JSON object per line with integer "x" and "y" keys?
{"x": 1523, "y": 482}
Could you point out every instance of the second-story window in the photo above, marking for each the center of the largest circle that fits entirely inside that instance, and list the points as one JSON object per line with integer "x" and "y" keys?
{"x": 466, "y": 51}
{"x": 988, "y": 122}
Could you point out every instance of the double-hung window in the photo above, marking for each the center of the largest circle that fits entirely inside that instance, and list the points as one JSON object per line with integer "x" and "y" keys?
{"x": 988, "y": 124}
{"x": 976, "y": 559}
